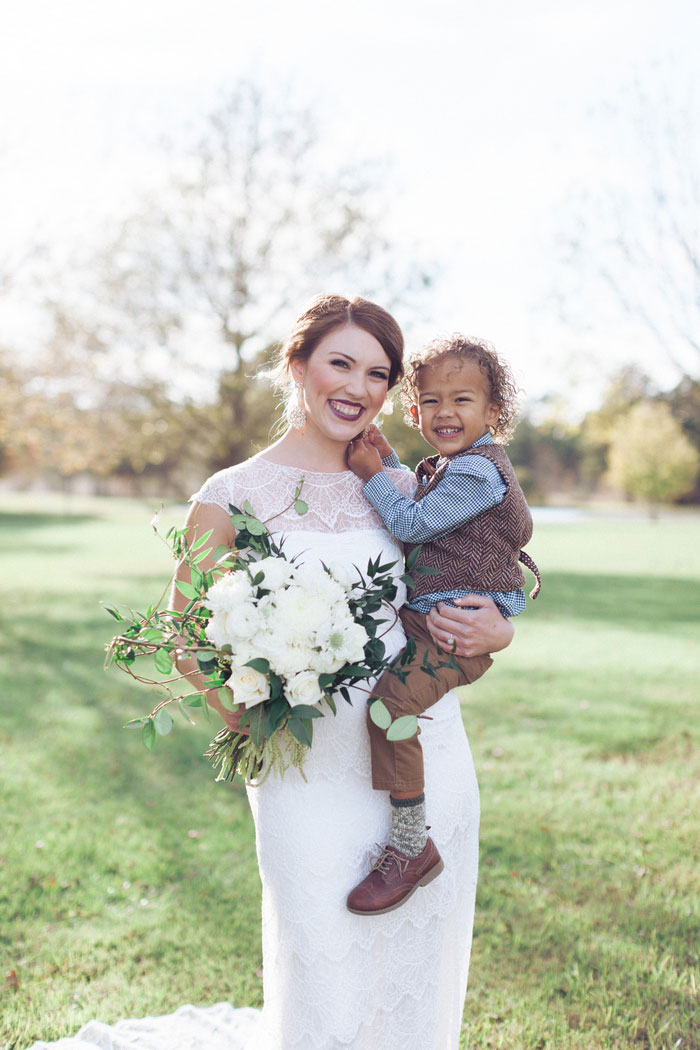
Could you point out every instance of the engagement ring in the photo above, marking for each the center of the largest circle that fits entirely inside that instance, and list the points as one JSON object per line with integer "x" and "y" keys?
{"x": 450, "y": 640}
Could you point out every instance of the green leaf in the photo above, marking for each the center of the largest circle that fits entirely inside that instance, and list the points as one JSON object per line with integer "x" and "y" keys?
{"x": 403, "y": 728}
{"x": 148, "y": 734}
{"x": 187, "y": 589}
{"x": 300, "y": 506}
{"x": 356, "y": 671}
{"x": 248, "y": 509}
{"x": 326, "y": 680}
{"x": 227, "y": 699}
{"x": 194, "y": 700}
{"x": 135, "y": 723}
{"x": 163, "y": 722}
{"x": 206, "y": 659}
{"x": 152, "y": 634}
{"x": 413, "y": 557}
{"x": 408, "y": 580}
{"x": 201, "y": 541}
{"x": 424, "y": 570}
{"x": 276, "y": 714}
{"x": 302, "y": 729}
{"x": 257, "y": 716}
{"x": 331, "y": 703}
{"x": 258, "y": 663}
{"x": 380, "y": 714}
{"x": 112, "y": 611}
{"x": 306, "y": 711}
{"x": 255, "y": 527}
{"x": 163, "y": 661}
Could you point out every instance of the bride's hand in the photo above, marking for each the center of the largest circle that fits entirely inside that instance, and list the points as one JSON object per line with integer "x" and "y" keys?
{"x": 476, "y": 631}
{"x": 231, "y": 719}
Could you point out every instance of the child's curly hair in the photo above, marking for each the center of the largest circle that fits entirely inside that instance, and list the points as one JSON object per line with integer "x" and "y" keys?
{"x": 503, "y": 389}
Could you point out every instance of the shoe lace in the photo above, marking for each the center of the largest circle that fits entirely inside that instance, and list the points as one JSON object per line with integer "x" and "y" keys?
{"x": 385, "y": 858}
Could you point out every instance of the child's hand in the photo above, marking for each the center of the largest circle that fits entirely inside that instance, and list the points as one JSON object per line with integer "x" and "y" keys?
{"x": 363, "y": 458}
{"x": 379, "y": 441}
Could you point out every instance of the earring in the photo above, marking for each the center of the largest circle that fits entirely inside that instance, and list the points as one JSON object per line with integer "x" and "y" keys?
{"x": 297, "y": 414}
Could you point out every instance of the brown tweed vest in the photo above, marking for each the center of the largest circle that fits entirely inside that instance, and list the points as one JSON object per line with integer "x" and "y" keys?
{"x": 482, "y": 554}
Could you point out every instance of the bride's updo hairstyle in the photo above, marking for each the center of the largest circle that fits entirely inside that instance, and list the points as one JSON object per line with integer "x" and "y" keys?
{"x": 326, "y": 312}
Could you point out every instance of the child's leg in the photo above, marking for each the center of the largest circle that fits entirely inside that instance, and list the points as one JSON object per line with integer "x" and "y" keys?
{"x": 397, "y": 766}
{"x": 410, "y": 859}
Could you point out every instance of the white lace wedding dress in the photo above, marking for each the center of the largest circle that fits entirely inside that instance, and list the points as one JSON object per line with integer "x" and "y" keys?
{"x": 333, "y": 980}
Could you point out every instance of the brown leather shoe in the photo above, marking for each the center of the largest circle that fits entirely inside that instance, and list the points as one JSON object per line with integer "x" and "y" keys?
{"x": 393, "y": 878}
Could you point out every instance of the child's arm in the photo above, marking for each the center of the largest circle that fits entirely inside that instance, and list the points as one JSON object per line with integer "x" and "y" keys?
{"x": 381, "y": 444}
{"x": 459, "y": 497}
{"x": 364, "y": 458}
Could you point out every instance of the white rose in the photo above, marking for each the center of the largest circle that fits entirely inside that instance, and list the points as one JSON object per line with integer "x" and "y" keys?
{"x": 248, "y": 686}
{"x": 303, "y": 688}
{"x": 277, "y": 572}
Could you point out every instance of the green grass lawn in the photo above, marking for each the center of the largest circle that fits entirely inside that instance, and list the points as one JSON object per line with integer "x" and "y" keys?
{"x": 128, "y": 882}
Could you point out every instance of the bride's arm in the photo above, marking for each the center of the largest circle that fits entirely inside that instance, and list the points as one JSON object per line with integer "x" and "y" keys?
{"x": 476, "y": 631}
{"x": 201, "y": 518}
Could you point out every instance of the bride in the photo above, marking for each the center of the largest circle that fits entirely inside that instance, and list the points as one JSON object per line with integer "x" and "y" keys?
{"x": 333, "y": 980}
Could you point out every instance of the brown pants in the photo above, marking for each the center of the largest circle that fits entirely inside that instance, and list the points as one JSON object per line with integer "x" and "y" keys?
{"x": 398, "y": 765}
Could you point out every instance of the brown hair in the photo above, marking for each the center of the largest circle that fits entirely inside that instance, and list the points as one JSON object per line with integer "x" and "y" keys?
{"x": 503, "y": 389}
{"x": 326, "y": 312}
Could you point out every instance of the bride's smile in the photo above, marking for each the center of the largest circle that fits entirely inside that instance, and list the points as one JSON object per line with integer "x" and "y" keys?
{"x": 345, "y": 381}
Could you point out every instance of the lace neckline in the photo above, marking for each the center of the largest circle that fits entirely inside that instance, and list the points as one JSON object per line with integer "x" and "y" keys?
{"x": 303, "y": 470}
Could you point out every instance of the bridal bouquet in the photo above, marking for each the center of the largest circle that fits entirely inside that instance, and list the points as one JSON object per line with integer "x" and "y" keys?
{"x": 280, "y": 637}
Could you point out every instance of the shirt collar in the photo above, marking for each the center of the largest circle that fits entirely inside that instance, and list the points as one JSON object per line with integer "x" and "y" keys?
{"x": 485, "y": 439}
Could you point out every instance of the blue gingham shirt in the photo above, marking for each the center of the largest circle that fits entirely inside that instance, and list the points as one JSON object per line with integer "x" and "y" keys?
{"x": 469, "y": 486}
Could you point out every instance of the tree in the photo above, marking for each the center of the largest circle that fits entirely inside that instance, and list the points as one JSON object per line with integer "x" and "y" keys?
{"x": 635, "y": 248}
{"x": 198, "y": 283}
{"x": 650, "y": 457}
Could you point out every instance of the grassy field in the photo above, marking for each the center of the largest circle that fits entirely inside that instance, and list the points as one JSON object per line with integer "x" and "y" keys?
{"x": 128, "y": 882}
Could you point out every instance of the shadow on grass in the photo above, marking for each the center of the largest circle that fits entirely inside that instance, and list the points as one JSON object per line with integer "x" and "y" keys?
{"x": 20, "y": 520}
{"x": 632, "y": 601}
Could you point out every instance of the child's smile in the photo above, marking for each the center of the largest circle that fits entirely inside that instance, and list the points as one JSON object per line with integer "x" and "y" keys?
{"x": 454, "y": 405}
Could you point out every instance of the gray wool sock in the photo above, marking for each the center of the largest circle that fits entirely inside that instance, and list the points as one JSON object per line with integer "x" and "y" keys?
{"x": 408, "y": 833}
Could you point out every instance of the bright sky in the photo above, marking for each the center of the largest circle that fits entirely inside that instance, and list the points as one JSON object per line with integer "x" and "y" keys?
{"x": 488, "y": 115}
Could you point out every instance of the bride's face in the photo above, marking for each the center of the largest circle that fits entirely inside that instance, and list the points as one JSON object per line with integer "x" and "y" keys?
{"x": 345, "y": 382}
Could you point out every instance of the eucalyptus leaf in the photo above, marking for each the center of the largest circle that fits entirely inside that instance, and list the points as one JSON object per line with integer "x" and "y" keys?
{"x": 403, "y": 728}
{"x": 255, "y": 527}
{"x": 258, "y": 663}
{"x": 163, "y": 722}
{"x": 195, "y": 700}
{"x": 148, "y": 734}
{"x": 380, "y": 714}
{"x": 300, "y": 506}
{"x": 163, "y": 661}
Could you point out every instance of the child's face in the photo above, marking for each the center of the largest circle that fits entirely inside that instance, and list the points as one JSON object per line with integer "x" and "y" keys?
{"x": 454, "y": 406}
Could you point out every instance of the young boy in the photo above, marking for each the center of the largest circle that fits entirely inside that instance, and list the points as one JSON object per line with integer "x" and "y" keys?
{"x": 470, "y": 516}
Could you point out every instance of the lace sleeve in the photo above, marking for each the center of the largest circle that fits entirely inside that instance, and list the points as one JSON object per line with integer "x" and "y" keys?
{"x": 217, "y": 489}
{"x": 405, "y": 480}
